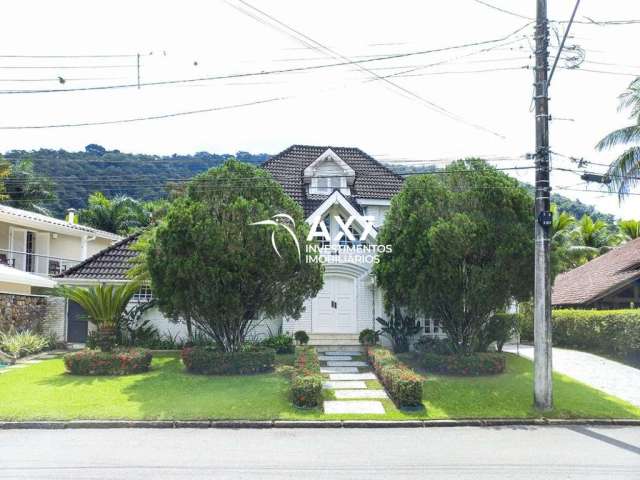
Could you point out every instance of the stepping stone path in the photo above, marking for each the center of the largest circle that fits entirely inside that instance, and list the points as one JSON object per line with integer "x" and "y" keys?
{"x": 347, "y": 379}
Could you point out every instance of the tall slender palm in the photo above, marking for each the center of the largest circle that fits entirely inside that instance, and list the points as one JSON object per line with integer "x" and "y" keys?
{"x": 104, "y": 305}
{"x": 624, "y": 172}
{"x": 630, "y": 228}
{"x": 120, "y": 214}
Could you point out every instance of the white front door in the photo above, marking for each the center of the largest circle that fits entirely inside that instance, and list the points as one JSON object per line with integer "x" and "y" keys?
{"x": 332, "y": 310}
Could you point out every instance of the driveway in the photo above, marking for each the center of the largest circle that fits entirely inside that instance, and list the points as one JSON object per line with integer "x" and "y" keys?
{"x": 611, "y": 377}
{"x": 389, "y": 454}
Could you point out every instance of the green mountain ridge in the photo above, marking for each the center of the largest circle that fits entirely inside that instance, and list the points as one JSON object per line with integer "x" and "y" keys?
{"x": 78, "y": 174}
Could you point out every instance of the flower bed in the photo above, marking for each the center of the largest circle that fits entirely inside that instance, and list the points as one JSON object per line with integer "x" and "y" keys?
{"x": 211, "y": 361}
{"x": 466, "y": 365}
{"x": 403, "y": 385}
{"x": 306, "y": 381}
{"x": 92, "y": 362}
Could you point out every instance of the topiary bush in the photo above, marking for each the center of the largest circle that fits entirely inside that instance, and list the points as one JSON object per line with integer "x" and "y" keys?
{"x": 301, "y": 337}
{"x": 403, "y": 385}
{"x": 93, "y": 362}
{"x": 441, "y": 346}
{"x": 474, "y": 364}
{"x": 282, "y": 344}
{"x": 369, "y": 337}
{"x": 212, "y": 361}
{"x": 306, "y": 381}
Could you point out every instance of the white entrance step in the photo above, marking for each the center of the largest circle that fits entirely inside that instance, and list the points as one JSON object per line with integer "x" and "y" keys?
{"x": 338, "y": 369}
{"x": 335, "y": 340}
{"x": 334, "y": 358}
{"x": 352, "y": 376}
{"x": 351, "y": 394}
{"x": 333, "y": 385}
{"x": 353, "y": 406}
{"x": 344, "y": 353}
{"x": 346, "y": 363}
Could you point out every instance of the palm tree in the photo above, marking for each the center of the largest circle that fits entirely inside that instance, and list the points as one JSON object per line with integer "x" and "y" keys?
{"x": 624, "y": 172}
{"x": 561, "y": 231}
{"x": 104, "y": 305}
{"x": 120, "y": 214}
{"x": 630, "y": 228}
{"x": 592, "y": 238}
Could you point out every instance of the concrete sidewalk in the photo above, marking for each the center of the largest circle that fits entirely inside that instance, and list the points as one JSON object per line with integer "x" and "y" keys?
{"x": 607, "y": 375}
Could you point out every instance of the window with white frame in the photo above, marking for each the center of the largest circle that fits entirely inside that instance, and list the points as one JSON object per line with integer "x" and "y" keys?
{"x": 144, "y": 294}
{"x": 325, "y": 185}
{"x": 432, "y": 327}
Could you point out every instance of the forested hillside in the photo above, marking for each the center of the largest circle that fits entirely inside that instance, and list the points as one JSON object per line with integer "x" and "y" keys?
{"x": 75, "y": 175}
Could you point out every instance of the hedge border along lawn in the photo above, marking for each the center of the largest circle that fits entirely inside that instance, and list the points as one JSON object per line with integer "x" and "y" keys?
{"x": 44, "y": 391}
{"x": 403, "y": 385}
{"x": 96, "y": 363}
{"x": 306, "y": 381}
{"x": 474, "y": 364}
{"x": 210, "y": 361}
{"x": 613, "y": 332}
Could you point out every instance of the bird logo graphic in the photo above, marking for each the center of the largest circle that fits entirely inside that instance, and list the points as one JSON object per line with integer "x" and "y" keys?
{"x": 282, "y": 220}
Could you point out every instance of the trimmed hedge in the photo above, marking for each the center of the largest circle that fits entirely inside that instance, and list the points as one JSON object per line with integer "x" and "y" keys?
{"x": 306, "y": 382}
{"x": 211, "y": 361}
{"x": 282, "y": 344}
{"x": 92, "y": 362}
{"x": 403, "y": 385}
{"x": 474, "y": 364}
{"x": 615, "y": 332}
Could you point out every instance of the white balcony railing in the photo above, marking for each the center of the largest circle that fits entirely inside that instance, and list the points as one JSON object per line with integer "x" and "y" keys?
{"x": 46, "y": 265}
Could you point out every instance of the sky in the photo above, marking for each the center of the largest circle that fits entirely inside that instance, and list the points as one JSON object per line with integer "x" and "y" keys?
{"x": 437, "y": 106}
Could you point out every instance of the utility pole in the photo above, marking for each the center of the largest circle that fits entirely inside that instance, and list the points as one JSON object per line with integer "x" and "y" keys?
{"x": 542, "y": 385}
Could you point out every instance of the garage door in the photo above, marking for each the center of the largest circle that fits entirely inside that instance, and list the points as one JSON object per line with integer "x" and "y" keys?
{"x": 333, "y": 308}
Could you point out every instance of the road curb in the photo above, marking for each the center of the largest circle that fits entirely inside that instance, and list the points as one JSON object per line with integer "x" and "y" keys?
{"x": 266, "y": 424}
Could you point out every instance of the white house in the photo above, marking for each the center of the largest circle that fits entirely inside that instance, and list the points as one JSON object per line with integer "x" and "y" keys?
{"x": 340, "y": 190}
{"x": 33, "y": 248}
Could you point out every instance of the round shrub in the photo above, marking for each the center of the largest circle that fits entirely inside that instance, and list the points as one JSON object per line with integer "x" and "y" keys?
{"x": 93, "y": 362}
{"x": 369, "y": 337}
{"x": 282, "y": 344}
{"x": 301, "y": 337}
{"x": 306, "y": 390}
{"x": 466, "y": 365}
{"x": 211, "y": 361}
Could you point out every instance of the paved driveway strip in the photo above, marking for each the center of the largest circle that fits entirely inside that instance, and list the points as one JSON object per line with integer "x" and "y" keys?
{"x": 607, "y": 375}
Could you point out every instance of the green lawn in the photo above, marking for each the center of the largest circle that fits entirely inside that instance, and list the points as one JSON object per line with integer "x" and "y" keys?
{"x": 44, "y": 391}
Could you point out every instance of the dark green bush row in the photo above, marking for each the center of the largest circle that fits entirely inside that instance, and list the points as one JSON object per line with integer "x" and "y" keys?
{"x": 282, "y": 344}
{"x": 403, "y": 385}
{"x": 616, "y": 332}
{"x": 467, "y": 365}
{"x": 306, "y": 382}
{"x": 212, "y": 361}
{"x": 93, "y": 362}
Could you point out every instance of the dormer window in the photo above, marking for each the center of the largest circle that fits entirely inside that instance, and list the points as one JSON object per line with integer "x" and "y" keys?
{"x": 325, "y": 185}
{"x": 328, "y": 173}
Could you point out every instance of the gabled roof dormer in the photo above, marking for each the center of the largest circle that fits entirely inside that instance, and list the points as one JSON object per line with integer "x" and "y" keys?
{"x": 328, "y": 173}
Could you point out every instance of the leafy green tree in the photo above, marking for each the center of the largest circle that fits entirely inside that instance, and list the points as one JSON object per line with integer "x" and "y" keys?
{"x": 630, "y": 228}
{"x": 119, "y": 215}
{"x": 105, "y": 305}
{"x": 208, "y": 262}
{"x": 462, "y": 248}
{"x": 624, "y": 171}
{"x": 28, "y": 190}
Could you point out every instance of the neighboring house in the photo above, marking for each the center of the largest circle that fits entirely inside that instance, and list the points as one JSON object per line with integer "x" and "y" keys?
{"x": 334, "y": 186}
{"x": 34, "y": 247}
{"x": 609, "y": 281}
{"x": 44, "y": 245}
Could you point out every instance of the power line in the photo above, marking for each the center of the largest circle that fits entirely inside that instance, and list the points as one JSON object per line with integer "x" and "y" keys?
{"x": 305, "y": 39}
{"x": 128, "y": 55}
{"x": 140, "y": 119}
{"x": 271, "y": 72}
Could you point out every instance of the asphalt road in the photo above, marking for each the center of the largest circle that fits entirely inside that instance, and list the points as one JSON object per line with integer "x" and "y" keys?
{"x": 425, "y": 453}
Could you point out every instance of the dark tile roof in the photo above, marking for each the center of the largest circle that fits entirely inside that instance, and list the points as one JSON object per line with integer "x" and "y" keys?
{"x": 112, "y": 263}
{"x": 602, "y": 275}
{"x": 372, "y": 179}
